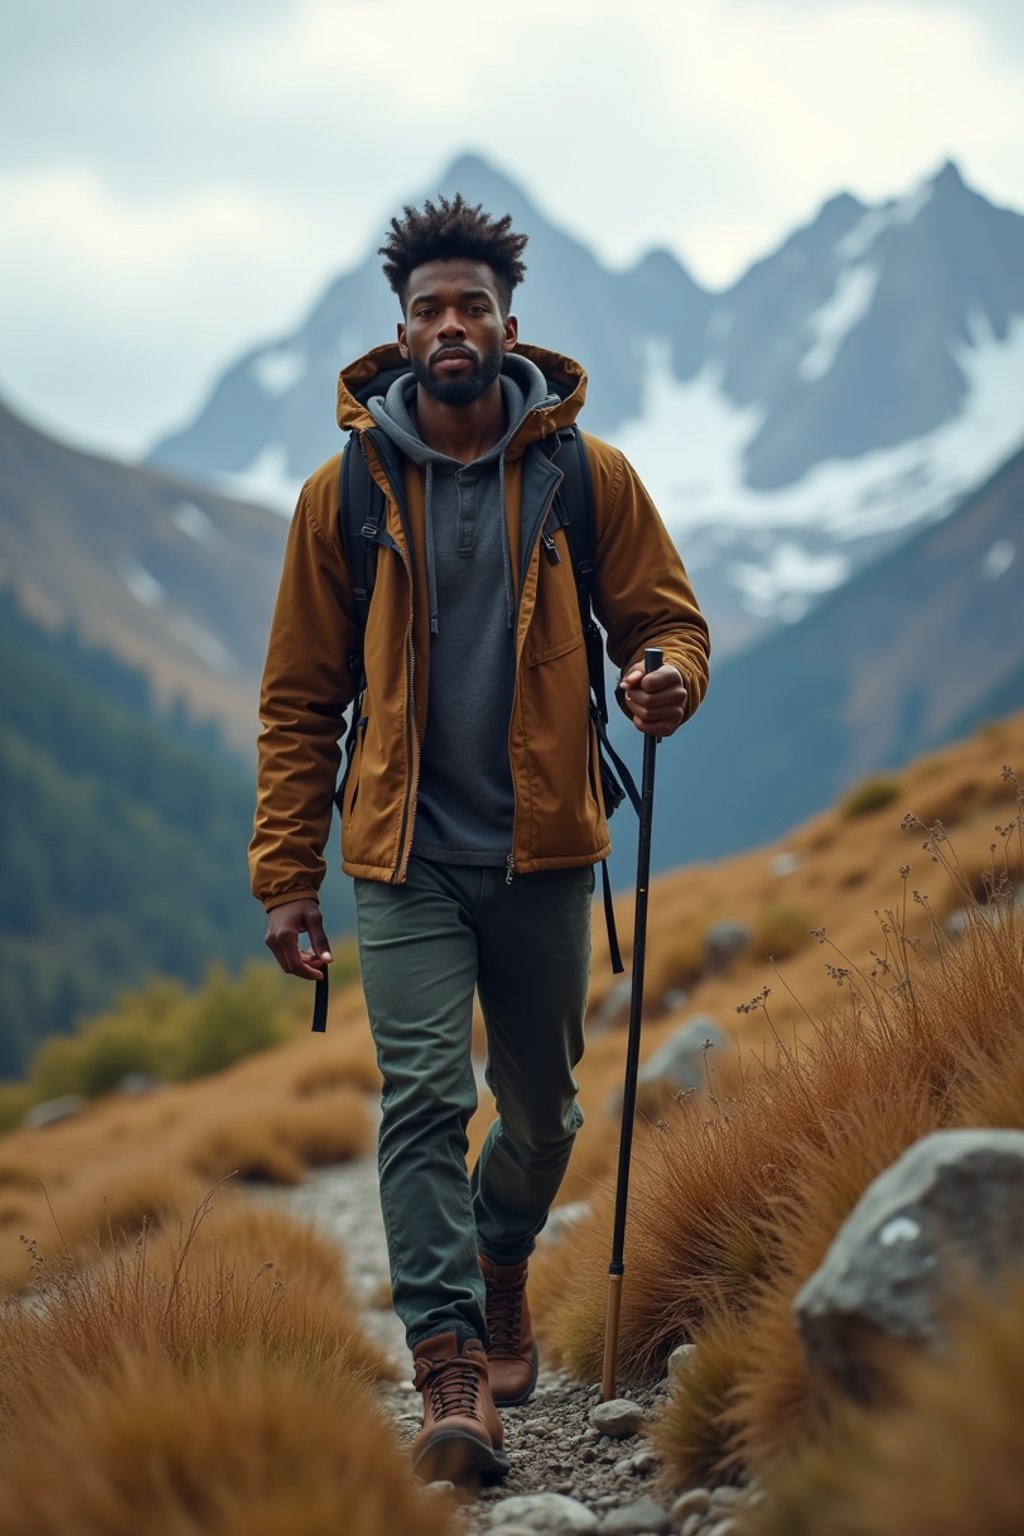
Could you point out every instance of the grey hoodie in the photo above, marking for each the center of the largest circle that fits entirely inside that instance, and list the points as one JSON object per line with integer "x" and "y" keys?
{"x": 464, "y": 807}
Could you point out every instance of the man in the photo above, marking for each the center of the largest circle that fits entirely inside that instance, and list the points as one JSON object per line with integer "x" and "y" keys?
{"x": 472, "y": 814}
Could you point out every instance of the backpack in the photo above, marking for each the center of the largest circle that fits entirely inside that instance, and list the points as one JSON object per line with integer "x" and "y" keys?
{"x": 361, "y": 525}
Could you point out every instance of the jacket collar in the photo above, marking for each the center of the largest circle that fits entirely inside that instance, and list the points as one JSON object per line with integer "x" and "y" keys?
{"x": 376, "y": 370}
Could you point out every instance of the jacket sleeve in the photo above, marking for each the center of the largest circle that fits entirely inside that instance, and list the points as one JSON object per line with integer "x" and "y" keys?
{"x": 642, "y": 594}
{"x": 307, "y": 685}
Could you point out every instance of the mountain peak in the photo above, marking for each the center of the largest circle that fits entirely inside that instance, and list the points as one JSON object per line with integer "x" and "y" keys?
{"x": 948, "y": 178}
{"x": 480, "y": 181}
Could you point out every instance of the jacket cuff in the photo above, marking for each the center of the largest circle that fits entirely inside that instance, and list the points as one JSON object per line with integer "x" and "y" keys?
{"x": 305, "y": 894}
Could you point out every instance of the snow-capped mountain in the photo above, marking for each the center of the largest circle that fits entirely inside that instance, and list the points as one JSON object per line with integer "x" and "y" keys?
{"x": 849, "y": 386}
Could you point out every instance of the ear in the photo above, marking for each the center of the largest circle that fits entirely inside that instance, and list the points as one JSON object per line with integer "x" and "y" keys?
{"x": 403, "y": 345}
{"x": 511, "y": 334}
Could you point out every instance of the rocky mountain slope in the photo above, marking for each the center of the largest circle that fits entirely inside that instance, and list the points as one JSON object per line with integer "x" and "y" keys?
{"x": 160, "y": 571}
{"x": 850, "y": 385}
{"x": 911, "y": 653}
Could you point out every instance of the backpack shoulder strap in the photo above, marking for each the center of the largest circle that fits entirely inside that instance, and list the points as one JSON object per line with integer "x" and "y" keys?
{"x": 362, "y": 512}
{"x": 576, "y": 498}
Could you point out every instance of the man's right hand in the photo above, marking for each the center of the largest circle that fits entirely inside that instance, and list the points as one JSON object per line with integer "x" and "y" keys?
{"x": 284, "y": 925}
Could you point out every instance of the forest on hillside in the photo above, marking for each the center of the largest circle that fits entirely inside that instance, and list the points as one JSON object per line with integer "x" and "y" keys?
{"x": 123, "y": 838}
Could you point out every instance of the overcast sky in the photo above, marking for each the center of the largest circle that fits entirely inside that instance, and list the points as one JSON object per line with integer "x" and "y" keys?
{"x": 180, "y": 182}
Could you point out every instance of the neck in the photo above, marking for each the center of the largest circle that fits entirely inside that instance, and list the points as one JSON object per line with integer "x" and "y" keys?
{"x": 463, "y": 432}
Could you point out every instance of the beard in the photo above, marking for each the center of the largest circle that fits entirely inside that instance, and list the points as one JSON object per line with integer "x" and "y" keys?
{"x": 464, "y": 390}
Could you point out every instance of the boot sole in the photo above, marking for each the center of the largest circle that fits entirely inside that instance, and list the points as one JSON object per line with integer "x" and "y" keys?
{"x": 524, "y": 1397}
{"x": 454, "y": 1457}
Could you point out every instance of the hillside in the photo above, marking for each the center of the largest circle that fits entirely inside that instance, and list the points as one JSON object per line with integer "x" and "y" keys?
{"x": 172, "y": 579}
{"x": 835, "y": 872}
{"x": 123, "y": 839}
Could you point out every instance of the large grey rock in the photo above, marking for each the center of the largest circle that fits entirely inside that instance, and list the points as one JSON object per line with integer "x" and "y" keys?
{"x": 950, "y": 1207}
{"x": 53, "y": 1111}
{"x": 724, "y": 943}
{"x": 679, "y": 1063}
{"x": 550, "y": 1512}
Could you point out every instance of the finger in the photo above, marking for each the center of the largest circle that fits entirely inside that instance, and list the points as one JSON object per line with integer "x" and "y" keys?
{"x": 318, "y": 938}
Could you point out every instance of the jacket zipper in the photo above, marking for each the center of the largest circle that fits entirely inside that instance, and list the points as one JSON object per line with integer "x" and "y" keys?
{"x": 541, "y": 536}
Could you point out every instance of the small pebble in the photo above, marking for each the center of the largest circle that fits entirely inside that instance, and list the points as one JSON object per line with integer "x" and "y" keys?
{"x": 691, "y": 1525}
{"x": 681, "y": 1361}
{"x": 548, "y": 1512}
{"x": 723, "y": 1528}
{"x": 728, "y": 1494}
{"x": 619, "y": 1418}
{"x": 644, "y": 1462}
{"x": 695, "y": 1501}
{"x": 631, "y": 1519}
{"x": 439, "y": 1490}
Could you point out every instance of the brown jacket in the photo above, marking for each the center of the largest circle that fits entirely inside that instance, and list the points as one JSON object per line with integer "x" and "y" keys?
{"x": 641, "y": 596}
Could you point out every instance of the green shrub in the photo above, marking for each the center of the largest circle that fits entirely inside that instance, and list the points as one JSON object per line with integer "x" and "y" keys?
{"x": 871, "y": 795}
{"x": 227, "y": 1020}
{"x": 15, "y": 1099}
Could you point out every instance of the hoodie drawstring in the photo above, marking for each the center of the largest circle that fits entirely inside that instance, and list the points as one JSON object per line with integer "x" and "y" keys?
{"x": 428, "y": 521}
{"x": 506, "y": 558}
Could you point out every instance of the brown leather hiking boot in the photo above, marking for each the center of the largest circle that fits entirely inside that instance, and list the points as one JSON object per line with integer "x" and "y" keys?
{"x": 461, "y": 1436}
{"x": 512, "y": 1354}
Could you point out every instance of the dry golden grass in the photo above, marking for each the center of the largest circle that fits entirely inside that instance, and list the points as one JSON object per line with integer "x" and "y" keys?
{"x": 245, "y": 1449}
{"x": 125, "y": 1160}
{"x": 946, "y": 1460}
{"x": 736, "y": 1197}
{"x": 212, "y": 1379}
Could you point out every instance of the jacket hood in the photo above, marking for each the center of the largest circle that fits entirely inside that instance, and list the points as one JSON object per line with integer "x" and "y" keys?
{"x": 375, "y": 372}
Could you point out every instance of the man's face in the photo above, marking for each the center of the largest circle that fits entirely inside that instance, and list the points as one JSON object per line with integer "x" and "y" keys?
{"x": 454, "y": 333}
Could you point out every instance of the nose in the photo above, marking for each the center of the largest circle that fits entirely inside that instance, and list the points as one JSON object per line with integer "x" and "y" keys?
{"x": 451, "y": 324}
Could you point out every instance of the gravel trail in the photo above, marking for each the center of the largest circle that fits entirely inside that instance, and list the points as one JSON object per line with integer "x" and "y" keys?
{"x": 573, "y": 1476}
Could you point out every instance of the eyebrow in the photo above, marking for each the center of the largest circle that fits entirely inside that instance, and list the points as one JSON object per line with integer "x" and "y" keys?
{"x": 469, "y": 293}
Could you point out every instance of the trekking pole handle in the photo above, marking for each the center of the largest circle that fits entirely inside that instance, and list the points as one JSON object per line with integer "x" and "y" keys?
{"x": 653, "y": 658}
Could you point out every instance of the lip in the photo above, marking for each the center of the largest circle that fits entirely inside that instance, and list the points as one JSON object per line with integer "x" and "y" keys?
{"x": 453, "y": 357}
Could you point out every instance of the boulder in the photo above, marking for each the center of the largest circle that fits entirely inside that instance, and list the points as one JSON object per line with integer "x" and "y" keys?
{"x": 53, "y": 1111}
{"x": 948, "y": 1209}
{"x": 679, "y": 1063}
{"x": 724, "y": 943}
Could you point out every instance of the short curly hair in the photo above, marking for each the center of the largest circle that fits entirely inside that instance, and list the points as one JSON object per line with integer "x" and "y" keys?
{"x": 446, "y": 229}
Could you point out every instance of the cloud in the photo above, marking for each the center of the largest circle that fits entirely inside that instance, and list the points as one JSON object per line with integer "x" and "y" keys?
{"x": 196, "y": 176}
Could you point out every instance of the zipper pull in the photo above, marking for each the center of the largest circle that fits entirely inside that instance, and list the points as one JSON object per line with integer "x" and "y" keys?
{"x": 510, "y": 868}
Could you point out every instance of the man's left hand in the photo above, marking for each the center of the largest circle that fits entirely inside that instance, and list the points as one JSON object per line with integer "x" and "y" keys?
{"x": 656, "y": 700}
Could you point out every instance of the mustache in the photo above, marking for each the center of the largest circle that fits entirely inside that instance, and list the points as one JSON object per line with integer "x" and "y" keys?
{"x": 452, "y": 350}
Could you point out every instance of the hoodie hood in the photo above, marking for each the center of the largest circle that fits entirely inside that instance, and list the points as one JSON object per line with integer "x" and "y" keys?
{"x": 376, "y": 371}
{"x": 524, "y": 388}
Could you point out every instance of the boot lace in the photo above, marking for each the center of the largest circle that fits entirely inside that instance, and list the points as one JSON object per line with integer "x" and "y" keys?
{"x": 453, "y": 1387}
{"x": 505, "y": 1315}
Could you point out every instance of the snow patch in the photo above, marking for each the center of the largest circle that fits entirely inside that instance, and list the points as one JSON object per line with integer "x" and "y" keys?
{"x": 857, "y": 242}
{"x": 789, "y": 571}
{"x": 848, "y": 305}
{"x": 688, "y": 446}
{"x": 142, "y": 586}
{"x": 195, "y": 523}
{"x": 278, "y": 371}
{"x": 999, "y": 559}
{"x": 266, "y": 481}
{"x": 204, "y": 643}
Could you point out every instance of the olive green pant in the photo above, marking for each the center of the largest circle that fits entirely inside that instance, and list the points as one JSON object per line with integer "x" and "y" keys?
{"x": 424, "y": 947}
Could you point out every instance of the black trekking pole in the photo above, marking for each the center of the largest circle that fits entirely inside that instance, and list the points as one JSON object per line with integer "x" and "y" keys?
{"x": 617, "y": 1268}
